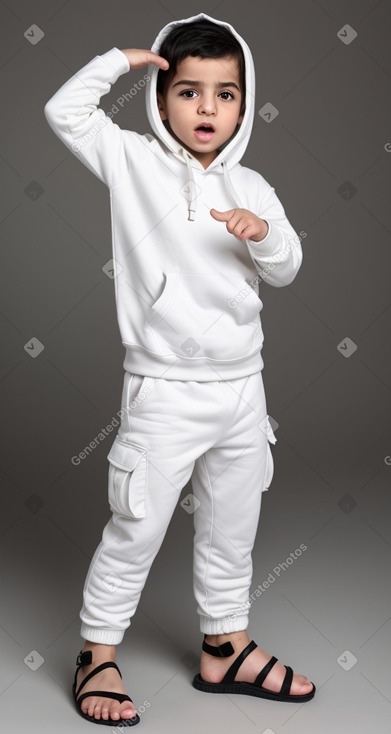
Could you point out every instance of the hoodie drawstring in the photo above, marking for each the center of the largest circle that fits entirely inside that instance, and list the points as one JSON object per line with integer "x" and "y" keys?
{"x": 192, "y": 198}
{"x": 192, "y": 194}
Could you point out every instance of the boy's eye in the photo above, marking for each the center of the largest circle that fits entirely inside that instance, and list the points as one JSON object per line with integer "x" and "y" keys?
{"x": 186, "y": 92}
{"x": 189, "y": 92}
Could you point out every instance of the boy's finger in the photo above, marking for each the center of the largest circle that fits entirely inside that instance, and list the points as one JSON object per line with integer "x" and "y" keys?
{"x": 159, "y": 61}
{"x": 222, "y": 216}
{"x": 142, "y": 56}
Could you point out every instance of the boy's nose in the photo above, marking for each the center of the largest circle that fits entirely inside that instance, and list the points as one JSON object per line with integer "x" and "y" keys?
{"x": 207, "y": 107}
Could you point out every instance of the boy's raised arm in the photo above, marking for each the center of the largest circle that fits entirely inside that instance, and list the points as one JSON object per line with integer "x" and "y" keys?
{"x": 75, "y": 117}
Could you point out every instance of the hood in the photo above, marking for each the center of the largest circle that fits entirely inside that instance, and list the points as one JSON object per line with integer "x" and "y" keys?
{"x": 232, "y": 152}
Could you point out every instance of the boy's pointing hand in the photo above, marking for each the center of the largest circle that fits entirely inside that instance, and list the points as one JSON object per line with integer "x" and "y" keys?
{"x": 243, "y": 224}
{"x": 139, "y": 57}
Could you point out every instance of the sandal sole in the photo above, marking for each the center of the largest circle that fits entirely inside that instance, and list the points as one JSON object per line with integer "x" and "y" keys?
{"x": 249, "y": 689}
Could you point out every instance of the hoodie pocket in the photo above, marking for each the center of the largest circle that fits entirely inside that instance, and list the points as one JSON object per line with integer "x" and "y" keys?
{"x": 127, "y": 478}
{"x": 206, "y": 315}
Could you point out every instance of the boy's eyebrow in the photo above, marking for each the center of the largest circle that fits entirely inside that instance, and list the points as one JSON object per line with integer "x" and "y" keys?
{"x": 191, "y": 83}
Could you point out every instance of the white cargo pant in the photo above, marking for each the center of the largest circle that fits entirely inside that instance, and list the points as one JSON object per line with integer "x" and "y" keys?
{"x": 216, "y": 433}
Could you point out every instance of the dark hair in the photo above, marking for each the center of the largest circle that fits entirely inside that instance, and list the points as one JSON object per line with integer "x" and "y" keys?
{"x": 199, "y": 38}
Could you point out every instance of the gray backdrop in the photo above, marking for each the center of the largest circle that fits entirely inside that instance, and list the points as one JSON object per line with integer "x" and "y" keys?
{"x": 325, "y": 67}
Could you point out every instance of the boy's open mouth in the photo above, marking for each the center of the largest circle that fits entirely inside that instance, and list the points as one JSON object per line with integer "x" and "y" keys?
{"x": 204, "y": 131}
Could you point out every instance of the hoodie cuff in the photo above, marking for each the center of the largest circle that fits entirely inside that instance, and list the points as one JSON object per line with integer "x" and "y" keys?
{"x": 270, "y": 244}
{"x": 117, "y": 60}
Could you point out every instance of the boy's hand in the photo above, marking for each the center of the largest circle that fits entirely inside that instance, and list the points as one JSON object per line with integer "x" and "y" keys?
{"x": 139, "y": 57}
{"x": 243, "y": 224}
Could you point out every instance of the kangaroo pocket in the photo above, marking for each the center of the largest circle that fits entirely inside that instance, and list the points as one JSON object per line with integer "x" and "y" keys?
{"x": 206, "y": 315}
{"x": 127, "y": 478}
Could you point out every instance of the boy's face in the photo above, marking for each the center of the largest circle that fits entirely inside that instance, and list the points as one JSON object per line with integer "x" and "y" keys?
{"x": 203, "y": 91}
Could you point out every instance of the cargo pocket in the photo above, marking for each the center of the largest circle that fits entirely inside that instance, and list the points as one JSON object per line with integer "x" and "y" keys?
{"x": 269, "y": 471}
{"x": 127, "y": 478}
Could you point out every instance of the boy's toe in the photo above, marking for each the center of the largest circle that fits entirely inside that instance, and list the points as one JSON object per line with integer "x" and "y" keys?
{"x": 300, "y": 685}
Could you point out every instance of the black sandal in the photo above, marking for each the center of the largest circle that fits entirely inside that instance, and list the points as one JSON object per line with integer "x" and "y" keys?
{"x": 85, "y": 658}
{"x": 229, "y": 685}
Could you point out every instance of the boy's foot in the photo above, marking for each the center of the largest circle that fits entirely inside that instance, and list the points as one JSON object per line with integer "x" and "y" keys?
{"x": 213, "y": 668}
{"x": 107, "y": 680}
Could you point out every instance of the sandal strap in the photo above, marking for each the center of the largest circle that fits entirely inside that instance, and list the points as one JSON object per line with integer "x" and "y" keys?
{"x": 286, "y": 684}
{"x": 84, "y": 658}
{"x": 96, "y": 670}
{"x": 121, "y": 697}
{"x": 231, "y": 672}
{"x": 264, "y": 672}
{"x": 223, "y": 651}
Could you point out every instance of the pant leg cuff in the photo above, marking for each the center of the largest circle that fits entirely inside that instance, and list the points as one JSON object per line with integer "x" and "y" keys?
{"x": 102, "y": 636}
{"x": 224, "y": 626}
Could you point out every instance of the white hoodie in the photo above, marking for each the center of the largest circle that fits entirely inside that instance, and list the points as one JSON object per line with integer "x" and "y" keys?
{"x": 187, "y": 291}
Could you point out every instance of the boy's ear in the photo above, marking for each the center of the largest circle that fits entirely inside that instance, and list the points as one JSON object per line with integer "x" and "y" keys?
{"x": 161, "y": 106}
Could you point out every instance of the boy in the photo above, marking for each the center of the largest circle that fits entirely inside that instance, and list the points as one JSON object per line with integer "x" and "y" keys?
{"x": 188, "y": 258}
